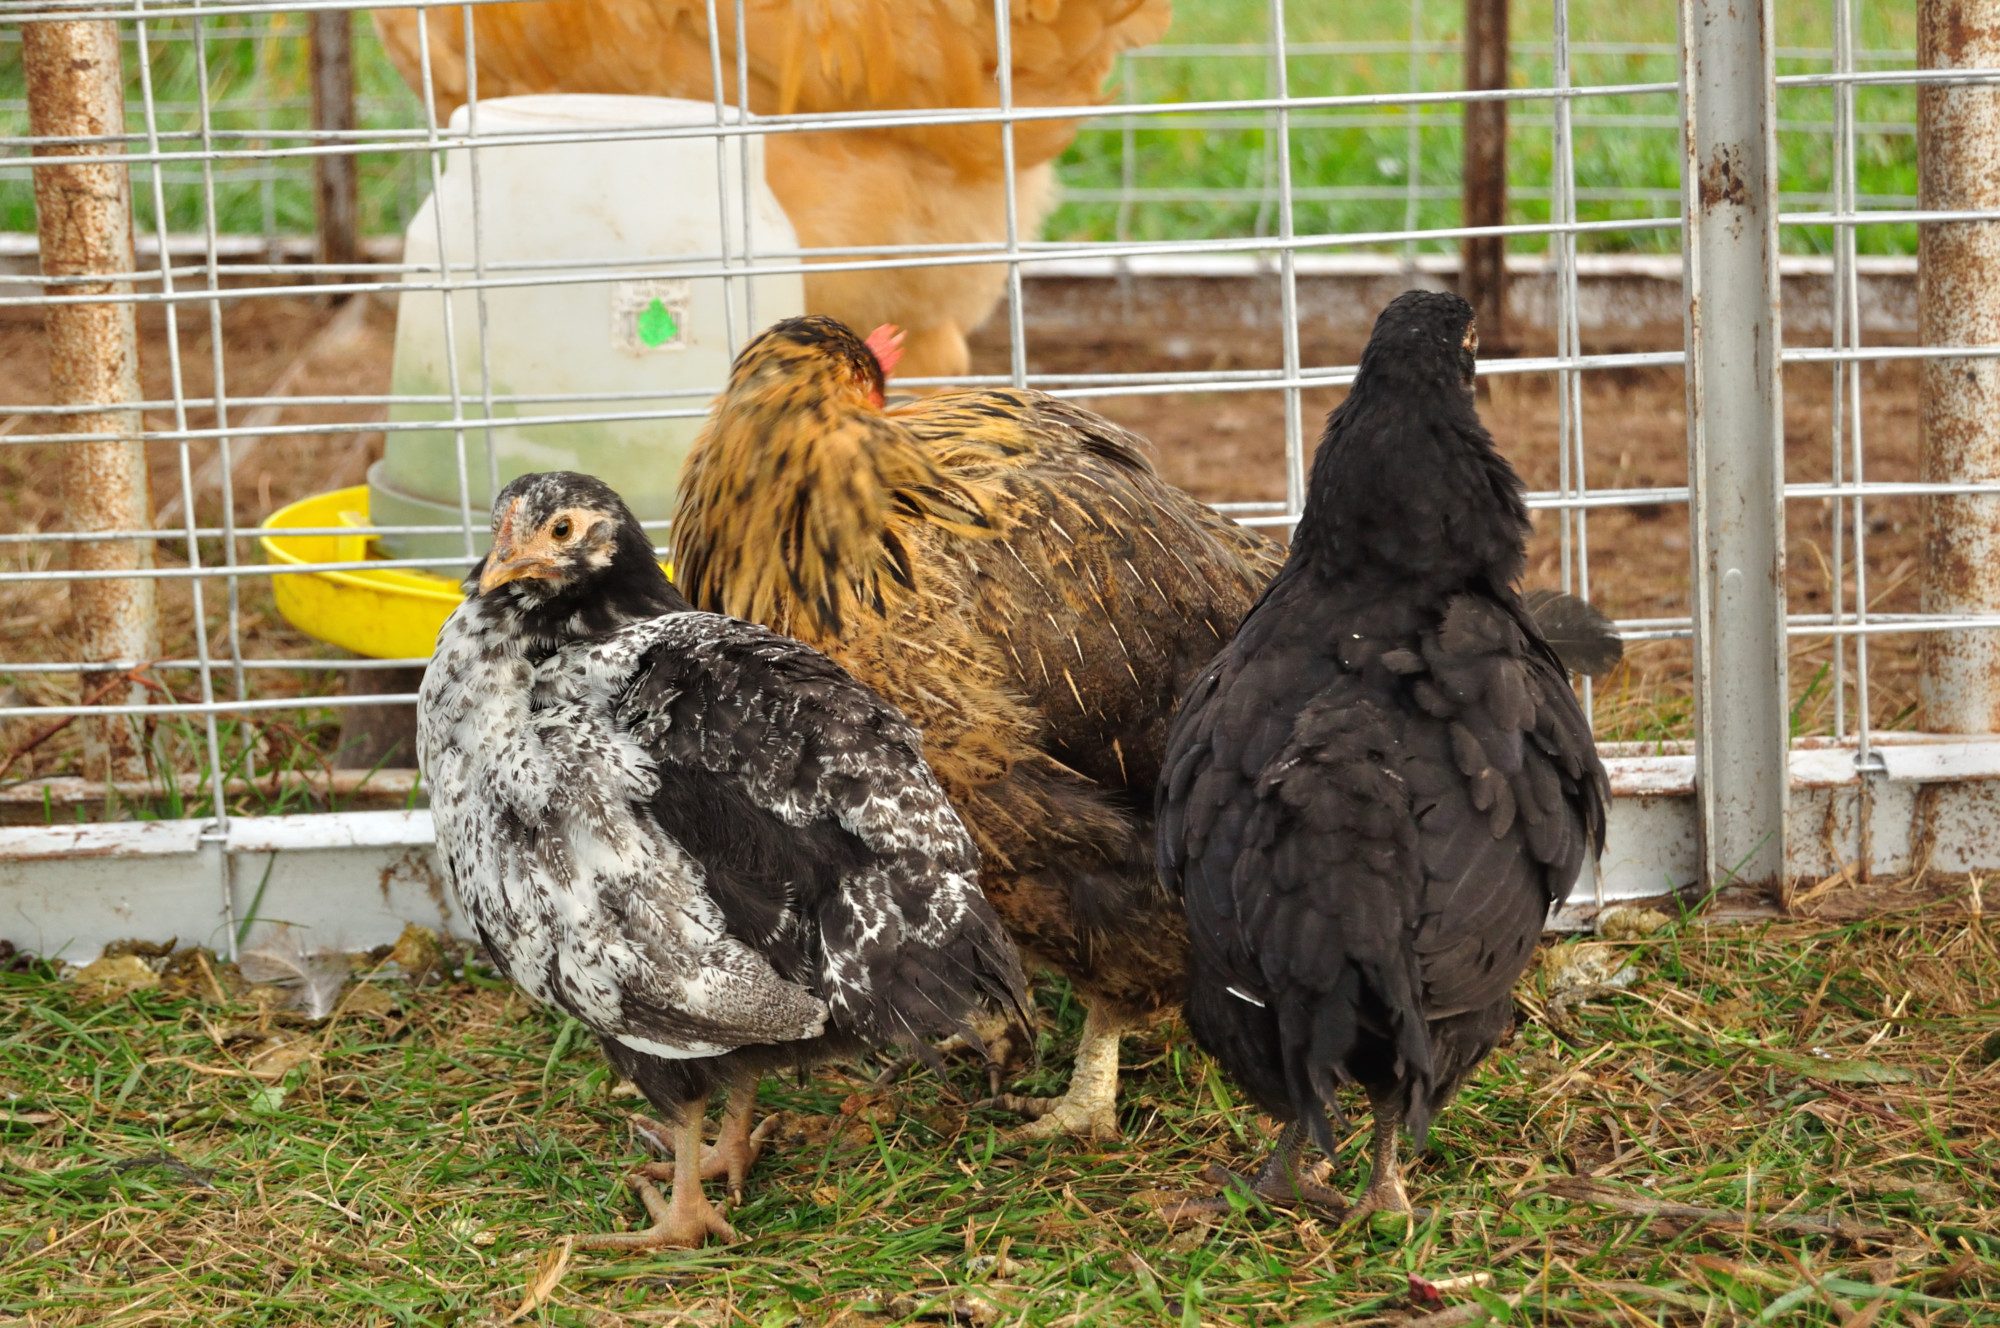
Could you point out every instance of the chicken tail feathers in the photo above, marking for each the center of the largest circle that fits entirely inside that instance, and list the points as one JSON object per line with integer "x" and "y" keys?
{"x": 1328, "y": 1037}
{"x": 1002, "y": 986}
{"x": 934, "y": 991}
{"x": 1314, "y": 1047}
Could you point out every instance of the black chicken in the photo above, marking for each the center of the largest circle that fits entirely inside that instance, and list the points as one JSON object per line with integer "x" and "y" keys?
{"x": 1376, "y": 793}
{"x": 705, "y": 841}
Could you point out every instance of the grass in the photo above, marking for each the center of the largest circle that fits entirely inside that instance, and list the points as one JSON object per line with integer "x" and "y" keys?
{"x": 1354, "y": 169}
{"x": 1627, "y": 149}
{"x": 268, "y": 766}
{"x": 186, "y": 1153}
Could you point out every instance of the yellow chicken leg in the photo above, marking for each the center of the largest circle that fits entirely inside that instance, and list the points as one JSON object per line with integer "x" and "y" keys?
{"x": 737, "y": 1146}
{"x": 1088, "y": 1108}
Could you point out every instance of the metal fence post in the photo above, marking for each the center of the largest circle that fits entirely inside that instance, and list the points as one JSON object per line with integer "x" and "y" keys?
{"x": 1735, "y": 437}
{"x": 83, "y": 211}
{"x": 1958, "y": 272}
{"x": 336, "y": 176}
{"x": 1482, "y": 259}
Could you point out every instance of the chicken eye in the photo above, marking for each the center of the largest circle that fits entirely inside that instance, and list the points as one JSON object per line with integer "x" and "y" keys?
{"x": 560, "y": 529}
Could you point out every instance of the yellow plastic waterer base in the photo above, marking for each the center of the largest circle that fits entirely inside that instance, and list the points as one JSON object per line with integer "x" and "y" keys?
{"x": 394, "y": 613}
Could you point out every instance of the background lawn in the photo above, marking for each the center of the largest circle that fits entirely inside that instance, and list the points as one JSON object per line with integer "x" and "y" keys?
{"x": 183, "y": 1154}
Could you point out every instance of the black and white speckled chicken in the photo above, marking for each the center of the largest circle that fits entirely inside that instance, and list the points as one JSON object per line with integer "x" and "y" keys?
{"x": 705, "y": 841}
{"x": 1376, "y": 793}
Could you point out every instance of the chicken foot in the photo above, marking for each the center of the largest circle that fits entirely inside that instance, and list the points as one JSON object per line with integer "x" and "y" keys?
{"x": 736, "y": 1148}
{"x": 685, "y": 1221}
{"x": 1088, "y": 1108}
{"x": 1278, "y": 1183}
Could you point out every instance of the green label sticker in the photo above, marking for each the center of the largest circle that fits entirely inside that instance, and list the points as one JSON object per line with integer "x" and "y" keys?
{"x": 650, "y": 317}
{"x": 656, "y": 324}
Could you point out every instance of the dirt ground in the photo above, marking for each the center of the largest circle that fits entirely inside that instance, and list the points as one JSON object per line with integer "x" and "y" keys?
{"x": 1220, "y": 446}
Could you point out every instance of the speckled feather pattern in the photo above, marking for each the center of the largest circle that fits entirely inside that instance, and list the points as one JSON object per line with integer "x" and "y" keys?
{"x": 546, "y": 762}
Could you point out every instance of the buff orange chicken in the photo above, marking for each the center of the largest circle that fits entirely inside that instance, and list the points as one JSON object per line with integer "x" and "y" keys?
{"x": 843, "y": 188}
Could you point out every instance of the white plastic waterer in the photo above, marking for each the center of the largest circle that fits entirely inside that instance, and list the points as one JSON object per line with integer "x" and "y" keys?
{"x": 638, "y": 210}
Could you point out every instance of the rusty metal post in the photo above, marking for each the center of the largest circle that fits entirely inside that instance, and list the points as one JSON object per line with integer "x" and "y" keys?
{"x": 83, "y": 211}
{"x": 1729, "y": 208}
{"x": 1958, "y": 304}
{"x": 336, "y": 176}
{"x": 1482, "y": 260}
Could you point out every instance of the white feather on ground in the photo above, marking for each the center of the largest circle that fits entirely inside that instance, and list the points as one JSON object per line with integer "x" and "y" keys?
{"x": 312, "y": 979}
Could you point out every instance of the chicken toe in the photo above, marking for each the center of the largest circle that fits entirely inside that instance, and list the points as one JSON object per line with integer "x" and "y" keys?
{"x": 1088, "y": 1109}
{"x": 686, "y": 1220}
{"x": 1278, "y": 1183}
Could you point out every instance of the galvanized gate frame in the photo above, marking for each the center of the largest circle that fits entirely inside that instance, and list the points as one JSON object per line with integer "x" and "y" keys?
{"x": 1735, "y": 438}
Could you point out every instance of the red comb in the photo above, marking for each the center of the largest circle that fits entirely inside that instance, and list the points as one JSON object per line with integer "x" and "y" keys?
{"x": 886, "y": 342}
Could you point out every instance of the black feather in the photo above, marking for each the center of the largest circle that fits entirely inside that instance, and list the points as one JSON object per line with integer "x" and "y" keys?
{"x": 1583, "y": 638}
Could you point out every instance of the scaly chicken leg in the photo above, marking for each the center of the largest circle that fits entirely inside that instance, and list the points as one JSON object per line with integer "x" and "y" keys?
{"x": 686, "y": 1221}
{"x": 1088, "y": 1108}
{"x": 737, "y": 1146}
{"x": 1385, "y": 1192}
{"x": 735, "y": 1150}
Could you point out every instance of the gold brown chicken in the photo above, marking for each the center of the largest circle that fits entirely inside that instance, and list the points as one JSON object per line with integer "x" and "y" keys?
{"x": 1011, "y": 572}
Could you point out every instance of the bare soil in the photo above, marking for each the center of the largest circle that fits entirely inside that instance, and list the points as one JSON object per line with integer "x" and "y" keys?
{"x": 1220, "y": 446}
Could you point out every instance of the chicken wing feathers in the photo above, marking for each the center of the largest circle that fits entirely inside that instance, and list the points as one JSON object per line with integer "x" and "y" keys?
{"x": 865, "y": 885}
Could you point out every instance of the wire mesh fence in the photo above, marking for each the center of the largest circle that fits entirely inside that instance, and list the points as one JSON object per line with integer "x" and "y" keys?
{"x": 1236, "y": 198}
{"x": 1143, "y": 176}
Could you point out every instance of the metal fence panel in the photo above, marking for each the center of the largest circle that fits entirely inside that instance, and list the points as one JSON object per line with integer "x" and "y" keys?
{"x": 1257, "y": 183}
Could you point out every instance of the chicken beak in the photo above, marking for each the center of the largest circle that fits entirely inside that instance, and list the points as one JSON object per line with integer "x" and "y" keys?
{"x": 511, "y": 561}
{"x": 501, "y": 571}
